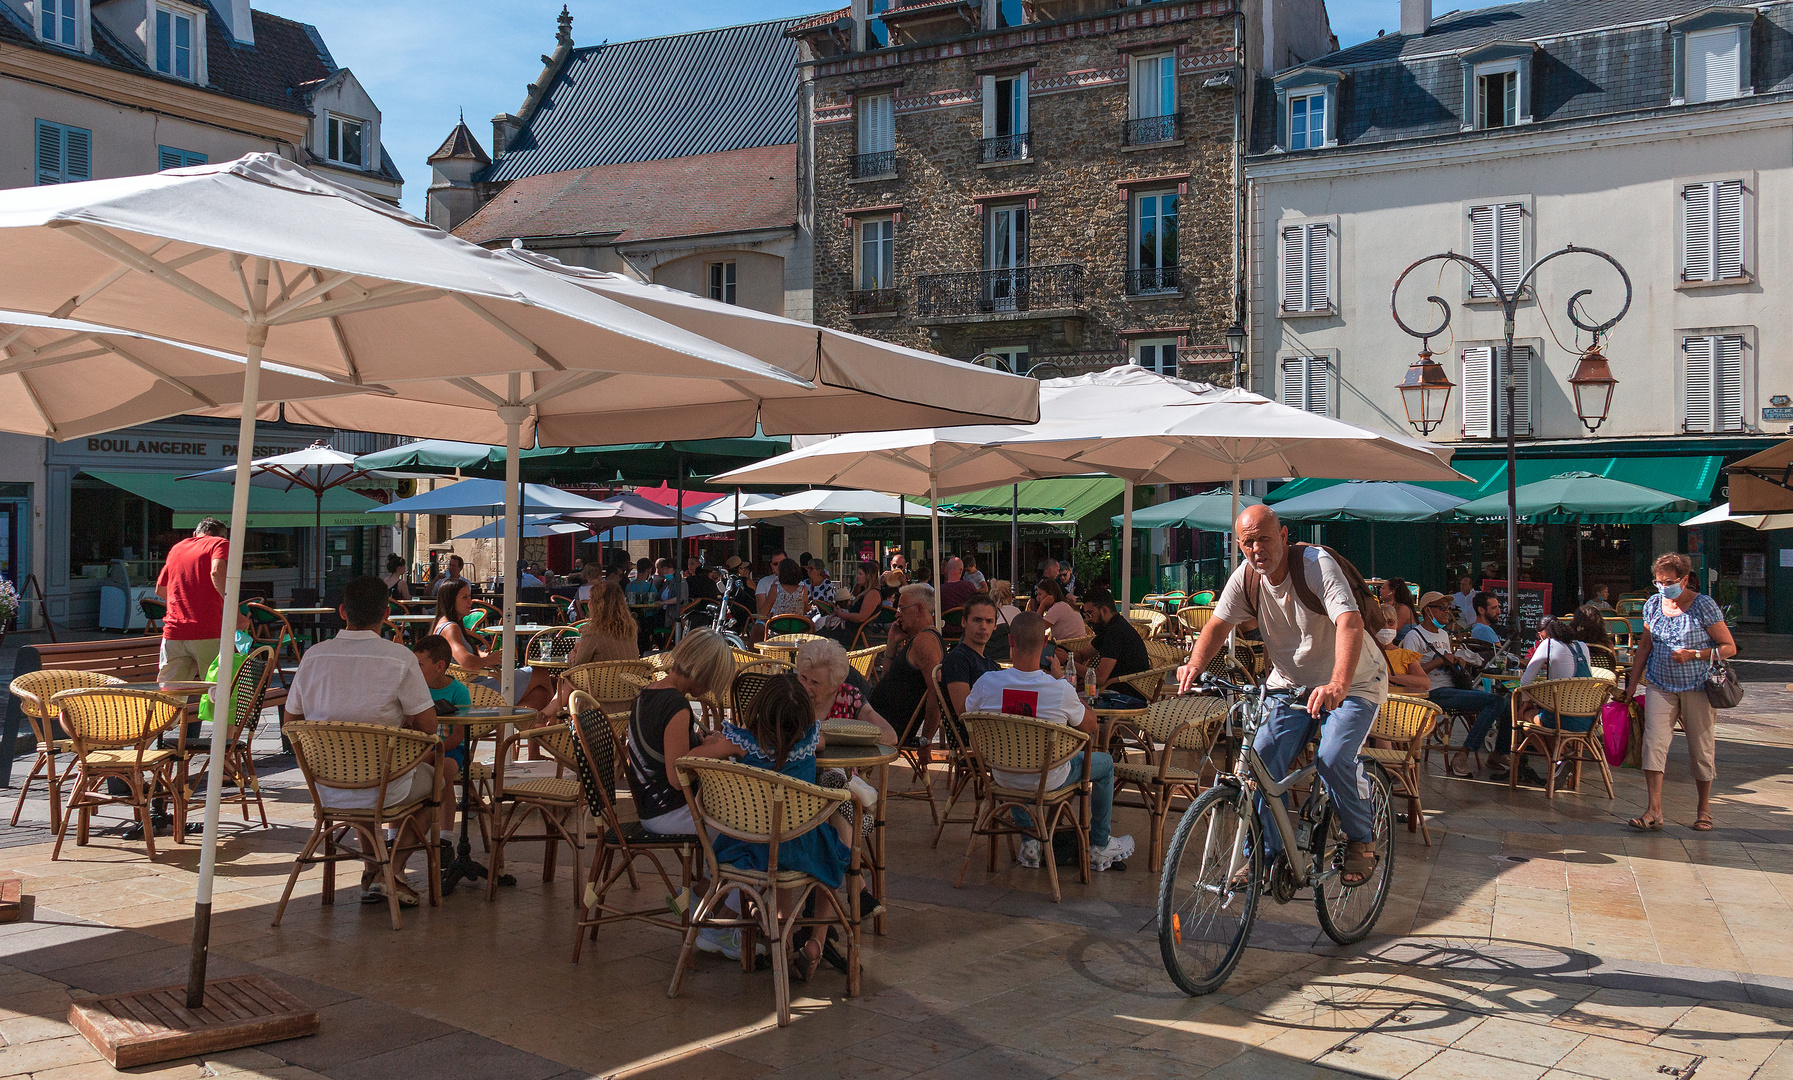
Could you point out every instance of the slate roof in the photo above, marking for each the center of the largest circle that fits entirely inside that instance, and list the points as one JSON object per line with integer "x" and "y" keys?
{"x": 732, "y": 191}
{"x": 461, "y": 144}
{"x": 700, "y": 93}
{"x": 1594, "y": 58}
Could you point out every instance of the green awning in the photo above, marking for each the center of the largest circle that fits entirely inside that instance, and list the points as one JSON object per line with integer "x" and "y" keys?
{"x": 269, "y": 508}
{"x": 1080, "y": 503}
{"x": 1689, "y": 476}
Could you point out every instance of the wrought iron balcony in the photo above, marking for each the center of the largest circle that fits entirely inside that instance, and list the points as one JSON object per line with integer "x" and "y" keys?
{"x": 1152, "y": 129}
{"x": 995, "y": 292}
{"x": 1003, "y": 148}
{"x": 882, "y": 163}
{"x": 1154, "y": 279}
{"x": 873, "y": 301}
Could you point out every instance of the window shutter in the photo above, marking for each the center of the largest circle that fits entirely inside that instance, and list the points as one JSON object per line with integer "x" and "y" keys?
{"x": 1294, "y": 269}
{"x": 1521, "y": 363}
{"x": 49, "y": 153}
{"x": 1319, "y": 268}
{"x": 1713, "y": 65}
{"x": 989, "y": 96}
{"x": 1696, "y": 232}
{"x": 1307, "y": 384}
{"x": 1021, "y": 89}
{"x": 78, "y": 163}
{"x": 1294, "y": 381}
{"x": 1482, "y": 248}
{"x": 1727, "y": 355}
{"x": 1697, "y": 412}
{"x": 877, "y": 124}
{"x": 167, "y": 158}
{"x": 1478, "y": 393}
{"x": 1727, "y": 229}
{"x": 1497, "y": 241}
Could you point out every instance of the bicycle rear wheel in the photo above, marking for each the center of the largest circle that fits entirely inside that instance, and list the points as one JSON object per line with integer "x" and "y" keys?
{"x": 1349, "y": 913}
{"x": 1203, "y": 921}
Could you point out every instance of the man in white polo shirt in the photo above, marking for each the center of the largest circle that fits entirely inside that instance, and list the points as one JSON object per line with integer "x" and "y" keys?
{"x": 360, "y": 677}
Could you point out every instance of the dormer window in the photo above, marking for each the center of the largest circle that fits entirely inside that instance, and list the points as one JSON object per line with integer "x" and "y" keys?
{"x": 1307, "y": 120}
{"x": 1497, "y": 95}
{"x": 1497, "y": 80}
{"x": 1307, "y": 108}
{"x": 1712, "y": 55}
{"x": 178, "y": 36}
{"x": 346, "y": 141}
{"x": 59, "y": 22}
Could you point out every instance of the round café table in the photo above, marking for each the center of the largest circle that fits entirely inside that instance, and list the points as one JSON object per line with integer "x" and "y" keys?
{"x": 878, "y": 759}
{"x": 464, "y": 867}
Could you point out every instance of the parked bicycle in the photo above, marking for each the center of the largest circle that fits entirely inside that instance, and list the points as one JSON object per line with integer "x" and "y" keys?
{"x": 1214, "y": 868}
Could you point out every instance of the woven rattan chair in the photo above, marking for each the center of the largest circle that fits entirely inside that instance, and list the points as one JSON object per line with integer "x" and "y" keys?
{"x": 465, "y": 675}
{"x": 558, "y": 802}
{"x": 864, "y": 661}
{"x": 113, "y": 732}
{"x": 748, "y": 683}
{"x": 1557, "y": 700}
{"x": 763, "y": 807}
{"x": 1603, "y": 656}
{"x": 1166, "y": 653}
{"x": 271, "y": 628}
{"x": 1178, "y": 735}
{"x": 876, "y": 628}
{"x": 961, "y": 769}
{"x": 1194, "y": 617}
{"x": 1025, "y": 745}
{"x": 1149, "y": 685}
{"x": 916, "y": 744}
{"x": 1405, "y": 721}
{"x": 340, "y": 758}
{"x": 247, "y": 691}
{"x": 1607, "y": 674}
{"x": 1619, "y": 629}
{"x": 789, "y": 625}
{"x": 620, "y": 842}
{"x": 553, "y": 645}
{"x": 614, "y": 683}
{"x": 34, "y": 691}
{"x": 1147, "y": 621}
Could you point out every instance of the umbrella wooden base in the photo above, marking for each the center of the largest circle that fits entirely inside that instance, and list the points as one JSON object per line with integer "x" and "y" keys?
{"x": 12, "y": 898}
{"x": 147, "y": 1026}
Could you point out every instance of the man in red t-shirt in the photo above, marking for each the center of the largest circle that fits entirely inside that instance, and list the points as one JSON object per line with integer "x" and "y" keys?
{"x": 192, "y": 581}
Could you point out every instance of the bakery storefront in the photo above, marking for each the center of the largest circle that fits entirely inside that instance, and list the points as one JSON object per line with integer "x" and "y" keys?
{"x": 115, "y": 504}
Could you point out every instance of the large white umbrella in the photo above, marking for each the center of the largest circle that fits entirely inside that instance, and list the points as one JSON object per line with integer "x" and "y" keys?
{"x": 261, "y": 256}
{"x": 1721, "y": 515}
{"x": 818, "y": 505}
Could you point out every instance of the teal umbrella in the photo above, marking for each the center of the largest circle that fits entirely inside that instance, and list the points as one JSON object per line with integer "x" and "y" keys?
{"x": 1371, "y": 501}
{"x": 1211, "y": 511}
{"x": 1578, "y": 498}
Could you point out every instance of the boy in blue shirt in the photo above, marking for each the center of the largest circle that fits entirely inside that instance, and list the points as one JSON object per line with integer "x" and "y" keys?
{"x": 451, "y": 696}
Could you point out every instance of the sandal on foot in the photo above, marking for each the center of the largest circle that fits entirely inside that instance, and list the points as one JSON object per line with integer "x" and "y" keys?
{"x": 1360, "y": 866}
{"x": 1644, "y": 824}
{"x": 831, "y": 954}
{"x": 803, "y": 962}
{"x": 1704, "y": 824}
{"x": 1451, "y": 769}
{"x": 407, "y": 896}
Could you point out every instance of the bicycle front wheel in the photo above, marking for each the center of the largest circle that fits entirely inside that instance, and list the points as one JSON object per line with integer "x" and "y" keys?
{"x": 1349, "y": 912}
{"x": 1203, "y": 918}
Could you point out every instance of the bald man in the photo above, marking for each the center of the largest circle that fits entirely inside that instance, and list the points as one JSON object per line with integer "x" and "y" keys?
{"x": 1313, "y": 637}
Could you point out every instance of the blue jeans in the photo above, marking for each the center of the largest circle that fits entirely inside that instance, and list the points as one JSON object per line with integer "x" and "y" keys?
{"x": 1283, "y": 737}
{"x": 1101, "y": 799}
{"x": 1491, "y": 712}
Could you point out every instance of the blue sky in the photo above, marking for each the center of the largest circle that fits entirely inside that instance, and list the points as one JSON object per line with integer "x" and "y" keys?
{"x": 426, "y": 60}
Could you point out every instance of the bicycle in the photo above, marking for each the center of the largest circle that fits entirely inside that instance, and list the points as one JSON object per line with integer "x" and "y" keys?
{"x": 1206, "y": 907}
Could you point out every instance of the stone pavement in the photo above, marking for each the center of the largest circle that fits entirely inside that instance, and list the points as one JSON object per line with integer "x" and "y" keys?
{"x": 1532, "y": 939}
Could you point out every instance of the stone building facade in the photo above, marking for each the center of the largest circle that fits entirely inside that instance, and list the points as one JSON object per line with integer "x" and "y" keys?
{"x": 1058, "y": 187}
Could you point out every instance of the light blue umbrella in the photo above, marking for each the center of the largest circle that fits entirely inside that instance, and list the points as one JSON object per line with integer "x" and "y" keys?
{"x": 485, "y": 498}
{"x": 534, "y": 528}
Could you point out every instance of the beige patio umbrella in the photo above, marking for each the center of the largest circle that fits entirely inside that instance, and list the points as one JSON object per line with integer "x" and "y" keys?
{"x": 1763, "y": 482}
{"x": 262, "y": 256}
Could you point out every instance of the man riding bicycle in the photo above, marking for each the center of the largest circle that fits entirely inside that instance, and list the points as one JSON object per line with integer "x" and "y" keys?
{"x": 1313, "y": 633}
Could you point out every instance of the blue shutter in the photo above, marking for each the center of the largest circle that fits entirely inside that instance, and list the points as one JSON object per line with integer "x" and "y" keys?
{"x": 171, "y": 157}
{"x": 63, "y": 153}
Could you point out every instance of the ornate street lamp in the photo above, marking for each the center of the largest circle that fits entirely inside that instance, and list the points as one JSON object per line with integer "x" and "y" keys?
{"x": 1593, "y": 384}
{"x": 1425, "y": 392}
{"x": 1234, "y": 336}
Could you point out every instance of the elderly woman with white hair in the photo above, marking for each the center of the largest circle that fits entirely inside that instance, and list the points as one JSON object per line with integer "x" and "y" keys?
{"x": 823, "y": 670}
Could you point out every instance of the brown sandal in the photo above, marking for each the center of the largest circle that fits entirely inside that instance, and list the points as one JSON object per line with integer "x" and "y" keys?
{"x": 1360, "y": 865}
{"x": 1704, "y": 824}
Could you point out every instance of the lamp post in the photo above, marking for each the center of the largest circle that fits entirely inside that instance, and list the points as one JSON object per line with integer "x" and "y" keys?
{"x": 1426, "y": 389}
{"x": 1234, "y": 336}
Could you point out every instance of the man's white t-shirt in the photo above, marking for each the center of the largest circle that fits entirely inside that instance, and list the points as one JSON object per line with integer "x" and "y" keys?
{"x": 1465, "y": 602}
{"x": 1431, "y": 644}
{"x": 765, "y": 585}
{"x": 1028, "y": 693}
{"x": 1300, "y": 642}
{"x": 359, "y": 677}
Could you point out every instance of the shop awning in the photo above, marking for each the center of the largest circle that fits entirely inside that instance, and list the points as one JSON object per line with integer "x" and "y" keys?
{"x": 1689, "y": 476}
{"x": 1080, "y": 503}
{"x": 269, "y": 508}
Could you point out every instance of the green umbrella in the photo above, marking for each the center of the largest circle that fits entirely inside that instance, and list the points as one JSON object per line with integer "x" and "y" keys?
{"x": 1211, "y": 511}
{"x": 1578, "y": 498}
{"x": 1368, "y": 500}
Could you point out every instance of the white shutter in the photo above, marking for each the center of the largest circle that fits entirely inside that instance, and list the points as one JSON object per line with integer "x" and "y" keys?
{"x": 1294, "y": 268}
{"x": 1696, "y": 232}
{"x": 1521, "y": 362}
{"x": 1713, "y": 65}
{"x": 1697, "y": 410}
{"x": 1294, "y": 382}
{"x": 49, "y": 153}
{"x": 1307, "y": 383}
{"x": 989, "y": 106}
{"x": 1478, "y": 393}
{"x": 1727, "y": 354}
{"x": 1727, "y": 229}
{"x": 1497, "y": 241}
{"x": 877, "y": 124}
{"x": 1319, "y": 268}
{"x": 1021, "y": 88}
{"x": 1482, "y": 247}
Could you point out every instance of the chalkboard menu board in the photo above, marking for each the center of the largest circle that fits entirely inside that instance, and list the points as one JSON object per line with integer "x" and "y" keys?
{"x": 1534, "y": 602}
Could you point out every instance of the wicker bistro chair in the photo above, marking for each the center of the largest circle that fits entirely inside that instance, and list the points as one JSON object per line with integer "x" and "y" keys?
{"x": 481, "y": 774}
{"x": 1179, "y": 729}
{"x": 34, "y": 691}
{"x": 749, "y": 681}
{"x": 790, "y": 626}
{"x": 1023, "y": 744}
{"x": 865, "y": 661}
{"x": 917, "y": 750}
{"x": 1194, "y": 617}
{"x": 1557, "y": 700}
{"x": 113, "y": 732}
{"x": 553, "y": 645}
{"x": 1406, "y": 721}
{"x": 246, "y": 691}
{"x": 1619, "y": 629}
{"x": 1147, "y": 684}
{"x": 763, "y": 807}
{"x": 1165, "y": 653}
{"x": 1605, "y": 657}
{"x": 614, "y": 683}
{"x": 961, "y": 767}
{"x": 558, "y": 802}
{"x": 271, "y": 628}
{"x": 1147, "y": 621}
{"x": 784, "y": 646}
{"x": 620, "y": 842}
{"x": 345, "y": 757}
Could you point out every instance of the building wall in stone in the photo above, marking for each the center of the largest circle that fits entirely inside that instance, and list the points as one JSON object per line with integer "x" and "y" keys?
{"x": 1077, "y": 180}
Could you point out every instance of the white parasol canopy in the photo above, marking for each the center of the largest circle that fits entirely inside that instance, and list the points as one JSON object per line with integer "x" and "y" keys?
{"x": 1721, "y": 515}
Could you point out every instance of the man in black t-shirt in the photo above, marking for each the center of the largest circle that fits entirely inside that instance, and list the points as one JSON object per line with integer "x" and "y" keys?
{"x": 1118, "y": 649}
{"x": 966, "y": 660}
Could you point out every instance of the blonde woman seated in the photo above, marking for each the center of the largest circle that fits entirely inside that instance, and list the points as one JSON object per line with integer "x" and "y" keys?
{"x": 823, "y": 669}
{"x": 610, "y": 634}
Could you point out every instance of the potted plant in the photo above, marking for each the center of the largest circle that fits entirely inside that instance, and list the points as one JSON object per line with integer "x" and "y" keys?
{"x": 9, "y": 607}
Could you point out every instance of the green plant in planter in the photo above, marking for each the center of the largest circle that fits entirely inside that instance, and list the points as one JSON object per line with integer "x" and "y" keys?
{"x": 9, "y": 605}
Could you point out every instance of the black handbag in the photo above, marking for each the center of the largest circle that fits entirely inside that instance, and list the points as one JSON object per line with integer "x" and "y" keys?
{"x": 1461, "y": 677}
{"x": 1722, "y": 688}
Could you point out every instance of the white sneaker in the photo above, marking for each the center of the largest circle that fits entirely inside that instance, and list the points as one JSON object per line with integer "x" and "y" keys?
{"x": 1030, "y": 854}
{"x": 1116, "y": 850}
{"x": 727, "y": 942}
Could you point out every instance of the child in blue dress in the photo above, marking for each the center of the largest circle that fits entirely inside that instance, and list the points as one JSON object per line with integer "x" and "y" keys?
{"x": 779, "y": 733}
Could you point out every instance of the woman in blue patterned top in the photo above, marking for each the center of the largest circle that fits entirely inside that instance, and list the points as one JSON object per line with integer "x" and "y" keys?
{"x": 1684, "y": 632}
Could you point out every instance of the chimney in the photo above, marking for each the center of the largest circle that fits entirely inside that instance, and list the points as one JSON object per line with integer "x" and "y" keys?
{"x": 1416, "y": 17}
{"x": 238, "y": 22}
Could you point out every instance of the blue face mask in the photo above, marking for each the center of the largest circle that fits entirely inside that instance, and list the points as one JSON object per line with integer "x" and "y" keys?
{"x": 1671, "y": 591}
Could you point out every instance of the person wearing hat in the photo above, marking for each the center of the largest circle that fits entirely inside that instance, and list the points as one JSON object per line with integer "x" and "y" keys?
{"x": 1430, "y": 638}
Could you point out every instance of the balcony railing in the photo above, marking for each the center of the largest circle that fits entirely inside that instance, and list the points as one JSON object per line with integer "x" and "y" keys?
{"x": 1152, "y": 129}
{"x": 1154, "y": 279}
{"x": 984, "y": 292}
{"x": 873, "y": 301}
{"x": 882, "y": 163}
{"x": 1003, "y": 148}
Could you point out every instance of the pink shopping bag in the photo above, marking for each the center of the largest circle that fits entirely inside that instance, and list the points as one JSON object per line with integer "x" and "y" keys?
{"x": 1615, "y": 723}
